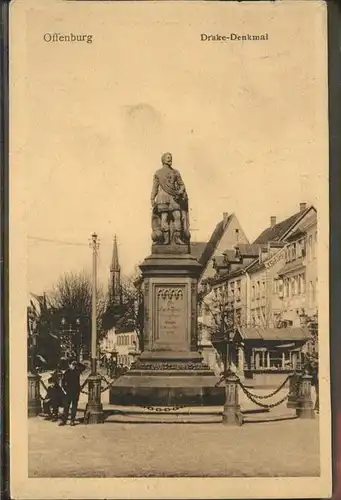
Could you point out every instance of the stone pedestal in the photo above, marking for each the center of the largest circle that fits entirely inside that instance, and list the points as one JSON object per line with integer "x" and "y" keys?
{"x": 170, "y": 370}
{"x": 34, "y": 401}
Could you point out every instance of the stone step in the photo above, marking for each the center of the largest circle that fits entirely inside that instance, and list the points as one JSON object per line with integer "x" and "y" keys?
{"x": 157, "y": 418}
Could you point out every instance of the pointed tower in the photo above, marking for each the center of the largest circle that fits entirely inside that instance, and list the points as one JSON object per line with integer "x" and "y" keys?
{"x": 115, "y": 274}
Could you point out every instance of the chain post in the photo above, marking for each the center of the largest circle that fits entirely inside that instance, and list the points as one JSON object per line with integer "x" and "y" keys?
{"x": 305, "y": 406}
{"x": 34, "y": 400}
{"x": 294, "y": 384}
{"x": 232, "y": 414}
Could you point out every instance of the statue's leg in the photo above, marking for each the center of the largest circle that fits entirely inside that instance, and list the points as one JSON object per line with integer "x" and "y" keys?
{"x": 177, "y": 227}
{"x": 165, "y": 227}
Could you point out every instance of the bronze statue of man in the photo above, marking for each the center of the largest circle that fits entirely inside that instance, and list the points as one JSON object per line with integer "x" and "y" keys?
{"x": 170, "y": 205}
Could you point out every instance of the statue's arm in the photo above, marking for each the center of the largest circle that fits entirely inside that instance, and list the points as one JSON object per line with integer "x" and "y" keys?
{"x": 154, "y": 188}
{"x": 181, "y": 184}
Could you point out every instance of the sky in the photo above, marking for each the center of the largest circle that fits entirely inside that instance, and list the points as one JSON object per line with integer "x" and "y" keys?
{"x": 245, "y": 123}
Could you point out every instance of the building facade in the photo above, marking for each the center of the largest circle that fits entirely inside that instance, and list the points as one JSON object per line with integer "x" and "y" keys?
{"x": 268, "y": 289}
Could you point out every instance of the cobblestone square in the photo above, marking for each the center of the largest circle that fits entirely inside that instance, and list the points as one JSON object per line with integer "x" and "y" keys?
{"x": 268, "y": 444}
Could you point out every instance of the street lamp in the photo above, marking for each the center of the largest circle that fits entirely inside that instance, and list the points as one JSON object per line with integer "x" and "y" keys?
{"x": 222, "y": 342}
{"x": 71, "y": 329}
{"x": 94, "y": 408}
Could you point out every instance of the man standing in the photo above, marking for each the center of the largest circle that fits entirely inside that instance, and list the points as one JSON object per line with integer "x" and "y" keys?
{"x": 71, "y": 385}
{"x": 170, "y": 205}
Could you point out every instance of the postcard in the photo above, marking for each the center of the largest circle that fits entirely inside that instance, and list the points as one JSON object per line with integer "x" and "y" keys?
{"x": 169, "y": 215}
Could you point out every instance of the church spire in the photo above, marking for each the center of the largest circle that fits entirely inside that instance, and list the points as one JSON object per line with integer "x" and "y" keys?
{"x": 115, "y": 274}
{"x": 115, "y": 265}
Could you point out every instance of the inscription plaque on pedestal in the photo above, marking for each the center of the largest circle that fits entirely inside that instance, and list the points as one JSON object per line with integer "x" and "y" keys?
{"x": 171, "y": 324}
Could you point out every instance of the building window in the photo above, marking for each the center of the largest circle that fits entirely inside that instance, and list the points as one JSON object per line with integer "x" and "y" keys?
{"x": 298, "y": 249}
{"x": 275, "y": 359}
{"x": 309, "y": 249}
{"x": 238, "y": 317}
{"x": 263, "y": 315}
{"x": 276, "y": 319}
{"x": 253, "y": 319}
{"x": 253, "y": 292}
{"x": 263, "y": 289}
{"x": 257, "y": 289}
{"x": 315, "y": 245}
{"x": 238, "y": 289}
{"x": 302, "y": 283}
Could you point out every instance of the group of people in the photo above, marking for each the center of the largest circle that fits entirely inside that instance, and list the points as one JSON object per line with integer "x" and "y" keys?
{"x": 64, "y": 392}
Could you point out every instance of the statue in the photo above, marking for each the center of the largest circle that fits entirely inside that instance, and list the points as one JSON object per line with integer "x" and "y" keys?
{"x": 169, "y": 200}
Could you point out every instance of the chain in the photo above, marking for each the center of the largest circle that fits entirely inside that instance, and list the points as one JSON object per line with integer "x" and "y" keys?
{"x": 103, "y": 389}
{"x": 43, "y": 384}
{"x": 220, "y": 381}
{"x": 165, "y": 409}
{"x": 267, "y": 396}
{"x": 262, "y": 405}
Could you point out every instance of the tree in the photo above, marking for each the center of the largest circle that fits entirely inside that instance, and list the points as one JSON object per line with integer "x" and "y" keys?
{"x": 71, "y": 299}
{"x": 219, "y": 321}
{"x": 43, "y": 344}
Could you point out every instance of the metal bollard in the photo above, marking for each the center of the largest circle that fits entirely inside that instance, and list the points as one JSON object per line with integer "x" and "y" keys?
{"x": 294, "y": 385}
{"x": 305, "y": 406}
{"x": 232, "y": 414}
{"x": 34, "y": 402}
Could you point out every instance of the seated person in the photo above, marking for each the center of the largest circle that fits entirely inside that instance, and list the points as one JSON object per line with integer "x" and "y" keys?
{"x": 53, "y": 399}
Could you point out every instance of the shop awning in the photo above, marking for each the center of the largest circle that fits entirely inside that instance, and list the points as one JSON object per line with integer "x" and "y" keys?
{"x": 275, "y": 334}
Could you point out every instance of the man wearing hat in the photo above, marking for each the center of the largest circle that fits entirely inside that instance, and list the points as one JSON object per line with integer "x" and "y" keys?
{"x": 53, "y": 399}
{"x": 72, "y": 386}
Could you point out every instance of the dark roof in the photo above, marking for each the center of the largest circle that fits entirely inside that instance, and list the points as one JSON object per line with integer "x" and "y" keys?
{"x": 229, "y": 274}
{"x": 291, "y": 266}
{"x": 277, "y": 232}
{"x": 295, "y": 234}
{"x": 198, "y": 248}
{"x": 220, "y": 261}
{"x": 203, "y": 251}
{"x": 231, "y": 255}
{"x": 251, "y": 250}
{"x": 283, "y": 334}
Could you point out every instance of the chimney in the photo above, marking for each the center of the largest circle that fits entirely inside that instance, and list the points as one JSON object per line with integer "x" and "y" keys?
{"x": 303, "y": 206}
{"x": 225, "y": 217}
{"x": 272, "y": 221}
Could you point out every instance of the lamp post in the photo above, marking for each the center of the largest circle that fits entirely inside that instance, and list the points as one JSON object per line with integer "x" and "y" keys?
{"x": 94, "y": 408}
{"x": 223, "y": 341}
{"x": 33, "y": 377}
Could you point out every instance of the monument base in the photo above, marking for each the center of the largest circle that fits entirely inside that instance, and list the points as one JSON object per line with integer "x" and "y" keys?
{"x": 171, "y": 379}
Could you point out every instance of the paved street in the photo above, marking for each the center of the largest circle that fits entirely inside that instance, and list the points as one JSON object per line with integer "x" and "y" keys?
{"x": 287, "y": 448}
{"x": 132, "y": 443}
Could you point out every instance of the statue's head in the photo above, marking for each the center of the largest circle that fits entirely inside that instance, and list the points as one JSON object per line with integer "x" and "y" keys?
{"x": 166, "y": 159}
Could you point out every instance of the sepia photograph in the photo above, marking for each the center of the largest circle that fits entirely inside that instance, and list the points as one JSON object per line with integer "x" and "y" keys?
{"x": 169, "y": 250}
